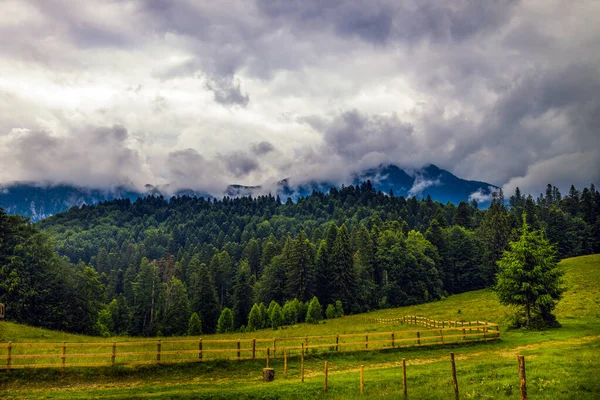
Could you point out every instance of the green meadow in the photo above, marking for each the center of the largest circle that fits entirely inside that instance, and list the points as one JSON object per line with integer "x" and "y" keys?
{"x": 561, "y": 363}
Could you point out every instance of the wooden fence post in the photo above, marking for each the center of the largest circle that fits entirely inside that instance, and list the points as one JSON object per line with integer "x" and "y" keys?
{"x": 302, "y": 364}
{"x": 325, "y": 379}
{"x": 200, "y": 349}
{"x": 454, "y": 380}
{"x": 442, "y": 336}
{"x": 404, "y": 378}
{"x": 238, "y": 349}
{"x": 306, "y": 342}
{"x": 158, "y": 346}
{"x": 393, "y": 340}
{"x": 418, "y": 338}
{"x": 274, "y": 347}
{"x": 337, "y": 342}
{"x": 464, "y": 337}
{"x": 367, "y": 341}
{"x": 362, "y": 379}
{"x": 523, "y": 381}
{"x": 253, "y": 349}
{"x": 63, "y": 358}
{"x": 9, "y": 355}
{"x": 114, "y": 354}
{"x": 285, "y": 363}
{"x": 268, "y": 357}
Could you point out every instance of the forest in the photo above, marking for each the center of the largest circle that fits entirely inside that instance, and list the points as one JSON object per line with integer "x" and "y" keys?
{"x": 184, "y": 265}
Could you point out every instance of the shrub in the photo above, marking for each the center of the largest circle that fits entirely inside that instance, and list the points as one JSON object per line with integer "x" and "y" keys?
{"x": 194, "y": 325}
{"x": 225, "y": 323}
{"x": 330, "y": 312}
{"x": 314, "y": 313}
{"x": 255, "y": 319}
{"x": 276, "y": 316}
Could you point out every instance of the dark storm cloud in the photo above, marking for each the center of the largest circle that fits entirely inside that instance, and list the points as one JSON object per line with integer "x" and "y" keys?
{"x": 239, "y": 163}
{"x": 382, "y": 20}
{"x": 353, "y": 135}
{"x": 95, "y": 156}
{"x": 262, "y": 148}
{"x": 227, "y": 92}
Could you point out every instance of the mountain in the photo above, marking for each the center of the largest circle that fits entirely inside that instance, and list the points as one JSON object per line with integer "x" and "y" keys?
{"x": 440, "y": 184}
{"x": 39, "y": 201}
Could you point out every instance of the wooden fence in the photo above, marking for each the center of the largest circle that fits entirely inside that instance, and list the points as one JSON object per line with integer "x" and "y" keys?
{"x": 48, "y": 355}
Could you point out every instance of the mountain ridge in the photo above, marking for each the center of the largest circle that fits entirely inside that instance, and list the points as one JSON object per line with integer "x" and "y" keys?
{"x": 39, "y": 200}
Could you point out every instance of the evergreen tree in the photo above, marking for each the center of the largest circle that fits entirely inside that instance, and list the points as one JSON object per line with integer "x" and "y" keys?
{"x": 225, "y": 323}
{"x": 276, "y": 316}
{"x": 204, "y": 298}
{"x": 255, "y": 319}
{"x": 495, "y": 232}
{"x": 300, "y": 271}
{"x": 343, "y": 280}
{"x": 194, "y": 325}
{"x": 146, "y": 289}
{"x": 290, "y": 312}
{"x": 330, "y": 312}
{"x": 529, "y": 276}
{"x": 462, "y": 216}
{"x": 242, "y": 295}
{"x": 314, "y": 313}
{"x": 176, "y": 309}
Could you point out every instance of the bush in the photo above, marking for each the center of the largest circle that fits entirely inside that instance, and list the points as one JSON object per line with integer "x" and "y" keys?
{"x": 194, "y": 325}
{"x": 339, "y": 309}
{"x": 314, "y": 313}
{"x": 225, "y": 323}
{"x": 302, "y": 310}
{"x": 330, "y": 312}
{"x": 255, "y": 319}
{"x": 276, "y": 316}
{"x": 290, "y": 312}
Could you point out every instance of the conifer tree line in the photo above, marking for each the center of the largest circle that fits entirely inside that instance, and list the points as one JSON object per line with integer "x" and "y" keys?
{"x": 190, "y": 265}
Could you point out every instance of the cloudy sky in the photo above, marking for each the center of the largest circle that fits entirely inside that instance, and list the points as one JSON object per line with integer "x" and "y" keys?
{"x": 204, "y": 93}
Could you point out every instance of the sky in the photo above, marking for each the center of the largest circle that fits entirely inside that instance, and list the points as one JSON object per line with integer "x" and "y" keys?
{"x": 201, "y": 94}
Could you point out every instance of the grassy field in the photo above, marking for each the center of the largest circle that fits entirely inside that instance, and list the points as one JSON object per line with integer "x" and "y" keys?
{"x": 561, "y": 363}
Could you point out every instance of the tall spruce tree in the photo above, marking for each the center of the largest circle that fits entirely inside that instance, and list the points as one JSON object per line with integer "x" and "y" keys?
{"x": 529, "y": 277}
{"x": 343, "y": 279}
{"x": 204, "y": 298}
{"x": 300, "y": 270}
{"x": 176, "y": 309}
{"x": 242, "y": 295}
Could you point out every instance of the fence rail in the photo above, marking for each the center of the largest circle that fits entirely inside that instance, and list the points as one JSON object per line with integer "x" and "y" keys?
{"x": 52, "y": 355}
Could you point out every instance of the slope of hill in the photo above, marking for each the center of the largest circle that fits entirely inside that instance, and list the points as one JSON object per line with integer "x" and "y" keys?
{"x": 561, "y": 363}
{"x": 38, "y": 201}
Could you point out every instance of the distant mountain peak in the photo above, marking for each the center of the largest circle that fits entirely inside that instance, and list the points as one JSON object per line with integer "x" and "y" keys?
{"x": 40, "y": 200}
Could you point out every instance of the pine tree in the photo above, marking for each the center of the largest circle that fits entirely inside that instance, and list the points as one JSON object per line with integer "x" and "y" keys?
{"x": 330, "y": 312}
{"x": 276, "y": 316}
{"x": 204, "y": 298}
{"x": 242, "y": 295}
{"x": 343, "y": 279}
{"x": 225, "y": 323}
{"x": 146, "y": 289}
{"x": 495, "y": 232}
{"x": 194, "y": 325}
{"x": 300, "y": 271}
{"x": 176, "y": 309}
{"x": 255, "y": 319}
{"x": 314, "y": 313}
{"x": 529, "y": 277}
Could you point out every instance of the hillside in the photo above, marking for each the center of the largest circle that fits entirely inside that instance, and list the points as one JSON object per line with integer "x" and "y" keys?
{"x": 487, "y": 369}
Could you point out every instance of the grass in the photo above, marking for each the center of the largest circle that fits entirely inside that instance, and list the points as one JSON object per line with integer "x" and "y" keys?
{"x": 561, "y": 363}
